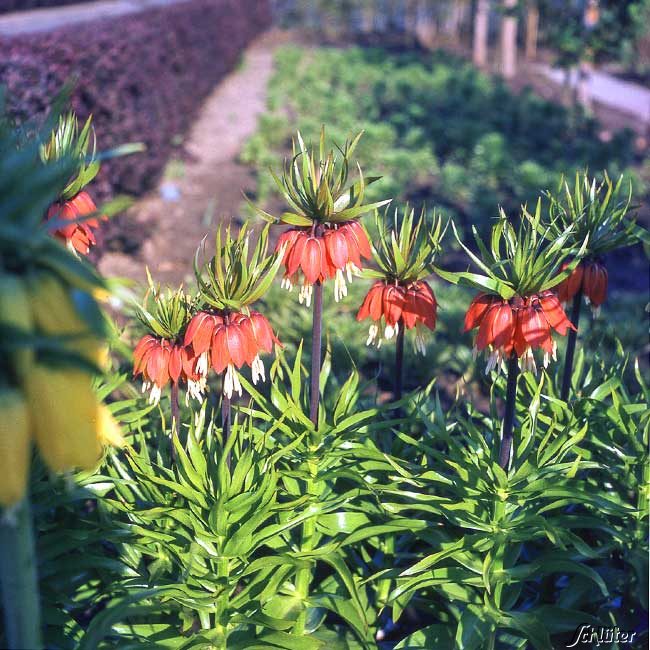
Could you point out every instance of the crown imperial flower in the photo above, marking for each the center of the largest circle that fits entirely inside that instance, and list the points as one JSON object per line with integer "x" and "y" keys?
{"x": 410, "y": 306}
{"x": 161, "y": 357}
{"x": 229, "y": 341}
{"x": 591, "y": 277}
{"x": 79, "y": 235}
{"x": 226, "y": 334}
{"x": 400, "y": 296}
{"x": 161, "y": 361}
{"x": 326, "y": 240}
{"x": 516, "y": 311}
{"x": 516, "y": 326}
{"x": 74, "y": 204}
{"x": 312, "y": 255}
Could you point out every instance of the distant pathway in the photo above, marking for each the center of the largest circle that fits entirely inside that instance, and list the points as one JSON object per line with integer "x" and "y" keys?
{"x": 207, "y": 187}
{"x": 45, "y": 19}
{"x": 620, "y": 95}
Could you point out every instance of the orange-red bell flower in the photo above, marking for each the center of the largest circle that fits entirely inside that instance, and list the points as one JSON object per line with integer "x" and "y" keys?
{"x": 412, "y": 305}
{"x": 229, "y": 341}
{"x": 310, "y": 256}
{"x": 591, "y": 277}
{"x": 161, "y": 361}
{"x": 519, "y": 326}
{"x": 78, "y": 236}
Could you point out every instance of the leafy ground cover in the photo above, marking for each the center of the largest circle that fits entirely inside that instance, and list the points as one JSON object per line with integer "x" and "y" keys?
{"x": 436, "y": 129}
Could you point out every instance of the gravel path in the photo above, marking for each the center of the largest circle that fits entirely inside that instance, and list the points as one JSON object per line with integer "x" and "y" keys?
{"x": 208, "y": 185}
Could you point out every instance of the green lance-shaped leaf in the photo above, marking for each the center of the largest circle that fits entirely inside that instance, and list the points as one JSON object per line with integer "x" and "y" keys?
{"x": 519, "y": 261}
{"x": 236, "y": 276}
{"x": 314, "y": 184}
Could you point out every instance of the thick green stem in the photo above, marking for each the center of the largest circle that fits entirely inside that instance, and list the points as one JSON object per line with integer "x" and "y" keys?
{"x": 316, "y": 336}
{"x": 571, "y": 346}
{"x": 175, "y": 417}
{"x": 509, "y": 417}
{"x": 221, "y": 623}
{"x": 226, "y": 422}
{"x": 304, "y": 576}
{"x": 20, "y": 597}
{"x": 399, "y": 361}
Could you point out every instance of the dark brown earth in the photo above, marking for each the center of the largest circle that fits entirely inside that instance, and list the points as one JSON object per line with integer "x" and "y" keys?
{"x": 207, "y": 176}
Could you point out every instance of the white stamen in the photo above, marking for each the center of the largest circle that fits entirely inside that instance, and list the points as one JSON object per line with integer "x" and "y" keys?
{"x": 494, "y": 361}
{"x": 195, "y": 390}
{"x": 231, "y": 382}
{"x": 305, "y": 294}
{"x": 202, "y": 364}
{"x": 156, "y": 392}
{"x": 258, "y": 369}
{"x": 373, "y": 330}
{"x": 340, "y": 287}
{"x": 419, "y": 343}
{"x": 286, "y": 284}
{"x": 390, "y": 331}
{"x": 527, "y": 361}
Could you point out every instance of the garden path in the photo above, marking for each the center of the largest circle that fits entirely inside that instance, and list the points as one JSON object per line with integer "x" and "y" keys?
{"x": 206, "y": 186}
{"x": 45, "y": 19}
{"x": 624, "y": 96}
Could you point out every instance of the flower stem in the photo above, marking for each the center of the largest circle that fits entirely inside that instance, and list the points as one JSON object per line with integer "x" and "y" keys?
{"x": 20, "y": 597}
{"x": 175, "y": 417}
{"x": 399, "y": 360}
{"x": 304, "y": 576}
{"x": 509, "y": 417}
{"x": 225, "y": 422}
{"x": 571, "y": 346}
{"x": 316, "y": 337}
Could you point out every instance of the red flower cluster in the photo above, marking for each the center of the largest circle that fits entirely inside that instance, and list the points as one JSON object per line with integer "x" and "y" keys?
{"x": 517, "y": 326}
{"x": 591, "y": 277}
{"x": 226, "y": 342}
{"x": 316, "y": 257}
{"x": 78, "y": 236}
{"x": 160, "y": 360}
{"x": 413, "y": 304}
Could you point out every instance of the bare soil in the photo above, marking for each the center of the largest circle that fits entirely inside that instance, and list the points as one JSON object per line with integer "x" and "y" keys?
{"x": 207, "y": 180}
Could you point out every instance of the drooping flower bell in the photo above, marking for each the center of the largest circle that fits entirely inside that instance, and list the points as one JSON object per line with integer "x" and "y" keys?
{"x": 409, "y": 306}
{"x": 79, "y": 234}
{"x": 161, "y": 357}
{"x": 595, "y": 215}
{"x": 161, "y": 361}
{"x": 226, "y": 334}
{"x": 229, "y": 341}
{"x": 401, "y": 298}
{"x": 591, "y": 277}
{"x": 74, "y": 204}
{"x": 326, "y": 240}
{"x": 313, "y": 255}
{"x": 516, "y": 312}
{"x": 516, "y": 326}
